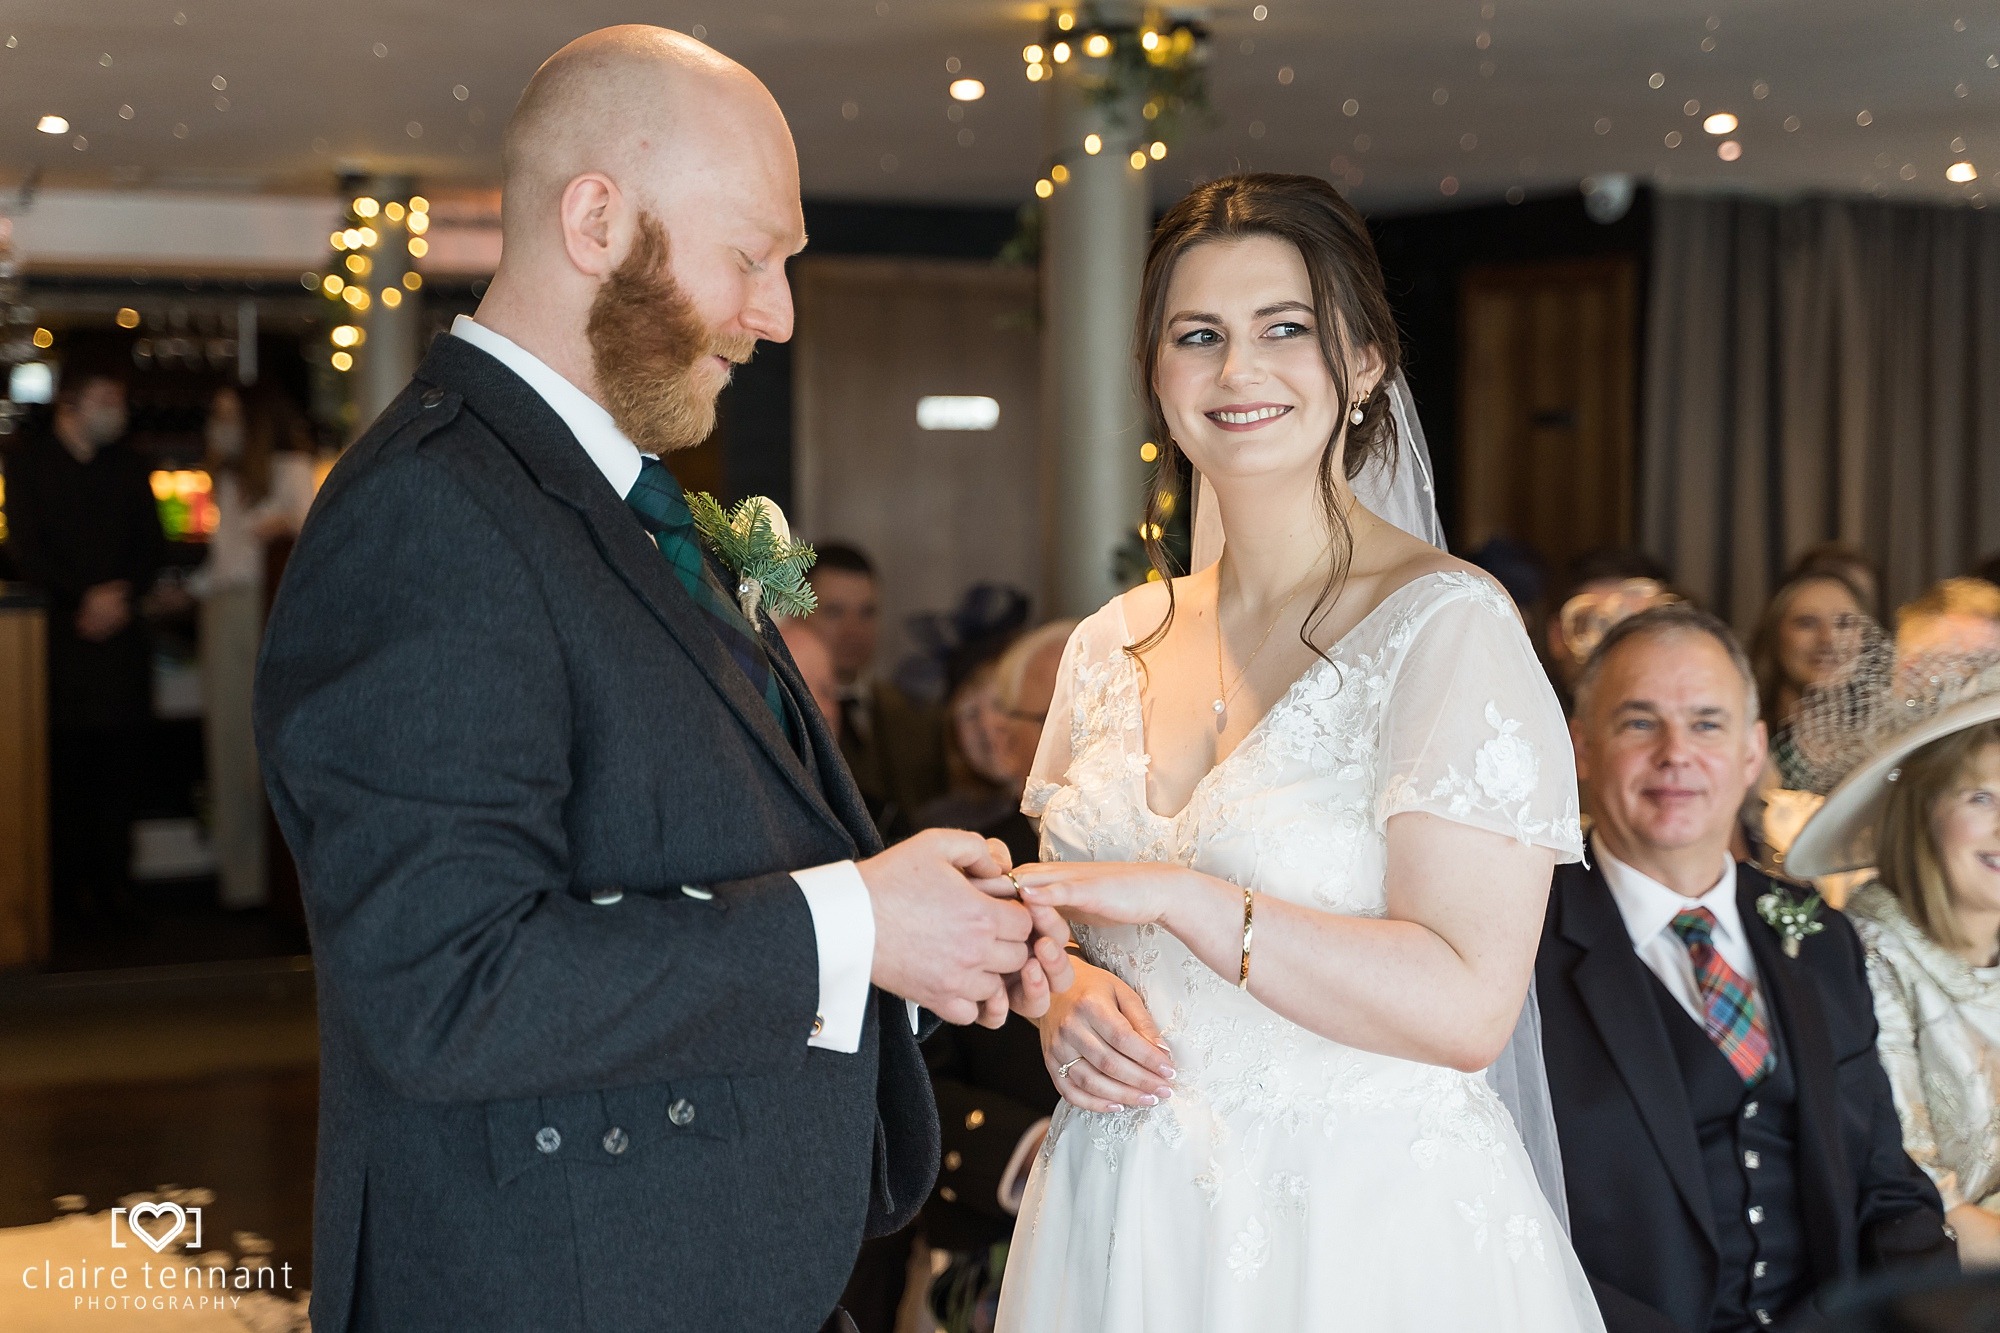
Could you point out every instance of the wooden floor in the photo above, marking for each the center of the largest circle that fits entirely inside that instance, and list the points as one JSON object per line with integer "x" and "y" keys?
{"x": 201, "y": 1078}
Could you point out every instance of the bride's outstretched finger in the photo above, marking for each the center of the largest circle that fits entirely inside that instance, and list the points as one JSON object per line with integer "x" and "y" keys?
{"x": 1086, "y": 1089}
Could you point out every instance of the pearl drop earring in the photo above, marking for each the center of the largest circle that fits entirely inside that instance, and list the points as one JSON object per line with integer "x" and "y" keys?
{"x": 1357, "y": 416}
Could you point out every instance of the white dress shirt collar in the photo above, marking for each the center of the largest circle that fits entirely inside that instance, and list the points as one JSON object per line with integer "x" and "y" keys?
{"x": 610, "y": 448}
{"x": 1649, "y": 906}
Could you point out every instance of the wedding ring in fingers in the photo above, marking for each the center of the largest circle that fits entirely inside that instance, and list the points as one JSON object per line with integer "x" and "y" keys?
{"x": 1062, "y": 1070}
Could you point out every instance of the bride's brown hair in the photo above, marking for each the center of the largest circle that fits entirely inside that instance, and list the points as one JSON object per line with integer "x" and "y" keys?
{"x": 1346, "y": 280}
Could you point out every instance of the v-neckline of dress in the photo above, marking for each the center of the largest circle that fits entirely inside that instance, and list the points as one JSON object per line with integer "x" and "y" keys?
{"x": 1256, "y": 728}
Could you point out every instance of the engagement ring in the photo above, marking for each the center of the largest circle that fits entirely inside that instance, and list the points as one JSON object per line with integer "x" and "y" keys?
{"x": 1062, "y": 1070}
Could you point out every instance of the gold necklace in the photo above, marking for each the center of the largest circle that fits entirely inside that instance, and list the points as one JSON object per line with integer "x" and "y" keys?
{"x": 1223, "y": 689}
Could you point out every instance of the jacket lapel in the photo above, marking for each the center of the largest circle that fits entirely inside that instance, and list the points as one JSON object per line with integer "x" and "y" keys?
{"x": 534, "y": 434}
{"x": 1614, "y": 986}
{"x": 1793, "y": 1008}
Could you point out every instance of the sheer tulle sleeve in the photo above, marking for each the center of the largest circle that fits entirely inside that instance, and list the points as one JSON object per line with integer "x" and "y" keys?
{"x": 1054, "y": 754}
{"x": 1472, "y": 730}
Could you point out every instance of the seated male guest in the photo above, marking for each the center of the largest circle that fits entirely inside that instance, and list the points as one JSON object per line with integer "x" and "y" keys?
{"x": 1728, "y": 1137}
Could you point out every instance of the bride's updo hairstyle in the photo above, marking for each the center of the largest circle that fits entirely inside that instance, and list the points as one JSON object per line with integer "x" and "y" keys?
{"x": 1346, "y": 278}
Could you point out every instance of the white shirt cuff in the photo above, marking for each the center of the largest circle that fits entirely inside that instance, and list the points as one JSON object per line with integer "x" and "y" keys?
{"x": 1014, "y": 1180}
{"x": 844, "y": 926}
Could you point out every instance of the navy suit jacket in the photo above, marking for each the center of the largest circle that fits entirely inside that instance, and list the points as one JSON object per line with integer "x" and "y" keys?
{"x": 1638, "y": 1196}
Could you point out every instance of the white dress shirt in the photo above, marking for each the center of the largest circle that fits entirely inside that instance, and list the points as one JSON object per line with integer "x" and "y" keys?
{"x": 1649, "y": 908}
{"x": 843, "y": 917}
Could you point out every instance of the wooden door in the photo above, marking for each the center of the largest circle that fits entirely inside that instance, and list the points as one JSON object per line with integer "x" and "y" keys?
{"x": 1547, "y": 405}
{"x": 937, "y": 510}
{"x": 24, "y": 797}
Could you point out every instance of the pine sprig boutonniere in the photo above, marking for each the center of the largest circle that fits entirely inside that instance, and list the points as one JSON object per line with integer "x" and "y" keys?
{"x": 754, "y": 542}
{"x": 1794, "y": 918}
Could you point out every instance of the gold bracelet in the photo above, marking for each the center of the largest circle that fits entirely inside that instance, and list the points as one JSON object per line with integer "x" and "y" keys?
{"x": 1243, "y": 977}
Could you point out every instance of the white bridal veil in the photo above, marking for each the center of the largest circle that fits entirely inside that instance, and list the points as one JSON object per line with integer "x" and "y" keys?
{"x": 1399, "y": 488}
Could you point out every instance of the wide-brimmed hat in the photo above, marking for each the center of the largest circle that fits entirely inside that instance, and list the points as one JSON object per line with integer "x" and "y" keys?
{"x": 1841, "y": 834}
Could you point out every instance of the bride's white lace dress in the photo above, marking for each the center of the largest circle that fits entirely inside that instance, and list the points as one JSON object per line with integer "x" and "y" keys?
{"x": 1292, "y": 1183}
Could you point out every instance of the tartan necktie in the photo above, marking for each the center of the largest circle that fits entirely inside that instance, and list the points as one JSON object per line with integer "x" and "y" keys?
{"x": 1732, "y": 1015}
{"x": 661, "y": 504}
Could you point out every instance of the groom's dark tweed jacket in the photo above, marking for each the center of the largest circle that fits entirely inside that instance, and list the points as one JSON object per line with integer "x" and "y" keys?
{"x": 559, "y": 1092}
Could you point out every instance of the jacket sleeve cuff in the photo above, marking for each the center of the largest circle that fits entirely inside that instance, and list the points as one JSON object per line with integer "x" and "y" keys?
{"x": 843, "y": 920}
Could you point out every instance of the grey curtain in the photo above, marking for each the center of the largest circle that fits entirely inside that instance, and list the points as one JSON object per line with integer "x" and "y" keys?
{"x": 1819, "y": 370}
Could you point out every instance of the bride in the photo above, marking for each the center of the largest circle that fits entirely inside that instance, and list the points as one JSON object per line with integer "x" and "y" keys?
{"x": 1303, "y": 806}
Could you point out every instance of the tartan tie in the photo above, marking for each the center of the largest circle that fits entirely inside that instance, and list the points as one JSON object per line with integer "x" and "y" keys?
{"x": 1733, "y": 1017}
{"x": 663, "y": 508}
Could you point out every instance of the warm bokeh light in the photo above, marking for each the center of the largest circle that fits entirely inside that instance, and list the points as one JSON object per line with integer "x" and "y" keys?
{"x": 340, "y": 240}
{"x": 1061, "y": 53}
{"x": 52, "y": 125}
{"x": 186, "y": 503}
{"x": 1961, "y": 173}
{"x": 419, "y": 247}
{"x": 967, "y": 90}
{"x": 1158, "y": 150}
{"x": 128, "y": 318}
{"x": 342, "y": 361}
{"x": 419, "y": 204}
{"x": 1138, "y": 159}
{"x": 1065, "y": 21}
{"x": 1037, "y": 72}
{"x": 413, "y": 280}
{"x": 392, "y": 297}
{"x": 358, "y": 265}
{"x": 1093, "y": 144}
{"x": 1097, "y": 46}
{"x": 347, "y": 335}
{"x": 393, "y": 211}
{"x": 1059, "y": 173}
{"x": 1720, "y": 123}
{"x": 43, "y": 338}
{"x": 1032, "y": 54}
{"x": 364, "y": 207}
{"x": 369, "y": 236}
{"x": 356, "y": 297}
{"x": 1729, "y": 150}
{"x": 419, "y": 223}
{"x": 333, "y": 284}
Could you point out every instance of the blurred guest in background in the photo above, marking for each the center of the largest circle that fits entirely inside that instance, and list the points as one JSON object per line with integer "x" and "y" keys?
{"x": 993, "y": 1090}
{"x": 815, "y": 663}
{"x": 892, "y": 742}
{"x": 1845, "y": 563}
{"x": 1598, "y": 589}
{"x": 1924, "y": 807}
{"x": 260, "y": 463}
{"x": 1955, "y": 618}
{"x": 1811, "y": 629}
{"x": 1728, "y": 1137}
{"x": 1517, "y": 566}
{"x": 84, "y": 528}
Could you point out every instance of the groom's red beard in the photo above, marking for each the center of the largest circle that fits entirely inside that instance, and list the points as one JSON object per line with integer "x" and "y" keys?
{"x": 650, "y": 350}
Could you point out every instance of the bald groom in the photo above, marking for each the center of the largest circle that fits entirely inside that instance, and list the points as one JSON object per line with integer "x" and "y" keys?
{"x": 618, "y": 991}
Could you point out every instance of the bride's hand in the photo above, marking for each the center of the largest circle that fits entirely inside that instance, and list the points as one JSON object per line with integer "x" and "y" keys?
{"x": 1105, "y": 893}
{"x": 1099, "y": 1029}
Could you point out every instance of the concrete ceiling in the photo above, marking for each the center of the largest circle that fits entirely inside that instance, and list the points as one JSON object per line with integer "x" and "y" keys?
{"x": 278, "y": 95}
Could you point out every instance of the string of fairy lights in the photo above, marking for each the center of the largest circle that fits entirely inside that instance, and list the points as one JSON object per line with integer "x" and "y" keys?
{"x": 1155, "y": 65}
{"x": 353, "y": 287}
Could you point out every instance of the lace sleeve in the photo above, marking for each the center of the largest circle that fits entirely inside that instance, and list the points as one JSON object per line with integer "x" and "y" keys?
{"x": 1896, "y": 1021}
{"x": 1473, "y": 732}
{"x": 1053, "y": 755}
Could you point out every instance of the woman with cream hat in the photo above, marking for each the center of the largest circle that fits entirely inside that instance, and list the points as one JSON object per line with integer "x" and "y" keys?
{"x": 1922, "y": 806}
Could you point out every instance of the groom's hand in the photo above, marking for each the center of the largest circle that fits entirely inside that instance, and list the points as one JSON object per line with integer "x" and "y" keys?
{"x": 938, "y": 940}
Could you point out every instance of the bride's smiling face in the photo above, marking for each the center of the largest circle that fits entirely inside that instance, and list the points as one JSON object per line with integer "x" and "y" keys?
{"x": 1240, "y": 375}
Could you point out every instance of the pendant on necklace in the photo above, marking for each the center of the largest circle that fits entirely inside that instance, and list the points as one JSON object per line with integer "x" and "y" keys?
{"x": 1218, "y": 708}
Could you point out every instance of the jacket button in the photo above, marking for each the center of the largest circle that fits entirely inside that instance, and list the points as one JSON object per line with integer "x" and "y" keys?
{"x": 681, "y": 1113}
{"x": 548, "y": 1138}
{"x": 616, "y": 1140}
{"x": 1750, "y": 1111}
{"x": 432, "y": 397}
{"x": 1751, "y": 1161}
{"x": 1764, "y": 1318}
{"x": 606, "y": 896}
{"x": 819, "y": 1024}
{"x": 696, "y": 892}
{"x": 1756, "y": 1214}
{"x": 1759, "y": 1268}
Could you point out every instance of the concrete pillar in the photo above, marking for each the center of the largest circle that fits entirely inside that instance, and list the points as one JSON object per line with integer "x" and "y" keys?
{"x": 1095, "y": 228}
{"x": 389, "y": 355}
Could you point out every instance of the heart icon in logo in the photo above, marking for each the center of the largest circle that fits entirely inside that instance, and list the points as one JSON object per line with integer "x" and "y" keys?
{"x": 156, "y": 1210}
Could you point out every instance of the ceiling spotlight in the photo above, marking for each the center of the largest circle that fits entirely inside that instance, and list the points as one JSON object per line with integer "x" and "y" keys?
{"x": 52, "y": 125}
{"x": 1097, "y": 46}
{"x": 1961, "y": 173}
{"x": 1720, "y": 123}
{"x": 967, "y": 90}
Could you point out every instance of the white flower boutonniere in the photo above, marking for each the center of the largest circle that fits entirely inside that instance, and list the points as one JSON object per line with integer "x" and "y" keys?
{"x": 754, "y": 542}
{"x": 1796, "y": 919}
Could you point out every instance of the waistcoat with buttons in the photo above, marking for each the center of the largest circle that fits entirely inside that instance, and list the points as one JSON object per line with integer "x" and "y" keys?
{"x": 1748, "y": 1140}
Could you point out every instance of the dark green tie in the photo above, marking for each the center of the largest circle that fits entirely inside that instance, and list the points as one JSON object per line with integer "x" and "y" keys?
{"x": 662, "y": 506}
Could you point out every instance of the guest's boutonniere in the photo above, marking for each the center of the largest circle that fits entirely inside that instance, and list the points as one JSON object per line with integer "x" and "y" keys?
{"x": 754, "y": 542}
{"x": 1796, "y": 919}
